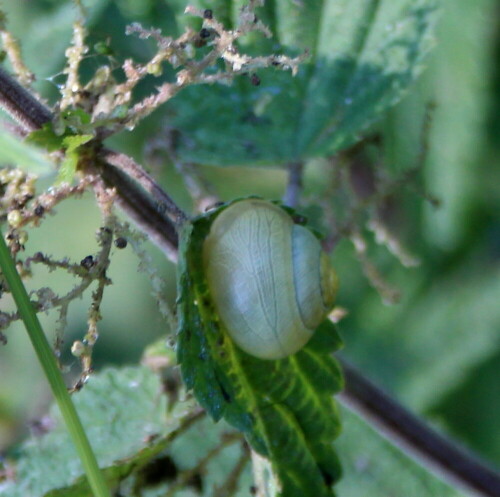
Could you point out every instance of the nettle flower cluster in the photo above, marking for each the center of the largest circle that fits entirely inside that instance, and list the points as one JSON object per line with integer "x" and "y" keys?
{"x": 72, "y": 132}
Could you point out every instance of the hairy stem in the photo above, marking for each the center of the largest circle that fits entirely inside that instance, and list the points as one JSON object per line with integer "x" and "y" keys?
{"x": 21, "y": 104}
{"x": 135, "y": 171}
{"x": 142, "y": 209}
{"x": 139, "y": 196}
{"x": 360, "y": 394}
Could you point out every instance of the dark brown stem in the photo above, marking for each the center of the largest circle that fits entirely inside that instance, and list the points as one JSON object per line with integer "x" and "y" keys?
{"x": 21, "y": 104}
{"x": 135, "y": 171}
{"x": 139, "y": 206}
{"x": 409, "y": 432}
{"x": 116, "y": 170}
{"x": 359, "y": 394}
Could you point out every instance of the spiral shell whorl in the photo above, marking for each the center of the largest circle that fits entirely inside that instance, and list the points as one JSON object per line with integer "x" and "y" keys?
{"x": 266, "y": 277}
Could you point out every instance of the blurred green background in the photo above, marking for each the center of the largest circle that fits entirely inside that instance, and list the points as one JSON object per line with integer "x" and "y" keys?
{"x": 438, "y": 350}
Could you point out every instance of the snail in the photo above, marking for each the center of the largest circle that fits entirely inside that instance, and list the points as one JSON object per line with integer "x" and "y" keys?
{"x": 269, "y": 279}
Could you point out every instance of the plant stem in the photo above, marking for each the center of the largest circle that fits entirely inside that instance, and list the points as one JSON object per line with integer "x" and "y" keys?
{"x": 135, "y": 171}
{"x": 410, "y": 433}
{"x": 143, "y": 210}
{"x": 21, "y": 104}
{"x": 52, "y": 372}
{"x": 294, "y": 186}
{"x": 360, "y": 395}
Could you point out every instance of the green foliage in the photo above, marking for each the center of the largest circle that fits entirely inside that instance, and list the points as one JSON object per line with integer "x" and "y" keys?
{"x": 69, "y": 132}
{"x": 128, "y": 402}
{"x": 132, "y": 428}
{"x": 363, "y": 55}
{"x": 374, "y": 467}
{"x": 446, "y": 326}
{"x": 24, "y": 155}
{"x": 70, "y": 129}
{"x": 285, "y": 407}
{"x": 46, "y": 137}
{"x": 68, "y": 167}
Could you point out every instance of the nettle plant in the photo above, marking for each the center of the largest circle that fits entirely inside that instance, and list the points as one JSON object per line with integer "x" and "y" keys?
{"x": 282, "y": 84}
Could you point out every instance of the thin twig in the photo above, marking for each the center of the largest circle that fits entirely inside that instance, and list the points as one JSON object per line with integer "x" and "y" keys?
{"x": 200, "y": 190}
{"x": 72, "y": 88}
{"x": 13, "y": 51}
{"x": 294, "y": 186}
{"x": 185, "y": 476}
{"x": 49, "y": 300}
{"x": 360, "y": 394}
{"x": 230, "y": 485}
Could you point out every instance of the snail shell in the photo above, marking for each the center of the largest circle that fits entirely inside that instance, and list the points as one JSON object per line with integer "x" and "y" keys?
{"x": 269, "y": 279}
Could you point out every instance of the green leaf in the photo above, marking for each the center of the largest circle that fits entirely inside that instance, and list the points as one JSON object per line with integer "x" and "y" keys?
{"x": 120, "y": 409}
{"x": 49, "y": 139}
{"x": 284, "y": 407}
{"x": 374, "y": 467}
{"x": 70, "y": 162}
{"x": 68, "y": 168}
{"x": 24, "y": 155}
{"x": 364, "y": 55}
{"x": 133, "y": 430}
{"x": 46, "y": 138}
{"x": 76, "y": 118}
{"x": 71, "y": 143}
{"x": 73, "y": 122}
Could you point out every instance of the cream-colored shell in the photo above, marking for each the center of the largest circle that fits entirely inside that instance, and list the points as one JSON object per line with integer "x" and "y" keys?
{"x": 267, "y": 278}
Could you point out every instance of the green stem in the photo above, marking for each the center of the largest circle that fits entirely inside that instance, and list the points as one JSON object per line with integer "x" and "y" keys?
{"x": 52, "y": 372}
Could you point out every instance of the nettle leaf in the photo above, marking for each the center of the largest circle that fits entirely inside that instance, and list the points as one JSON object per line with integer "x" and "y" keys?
{"x": 363, "y": 55}
{"x": 133, "y": 429}
{"x": 71, "y": 143}
{"x": 284, "y": 407}
{"x": 68, "y": 168}
{"x": 121, "y": 410}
